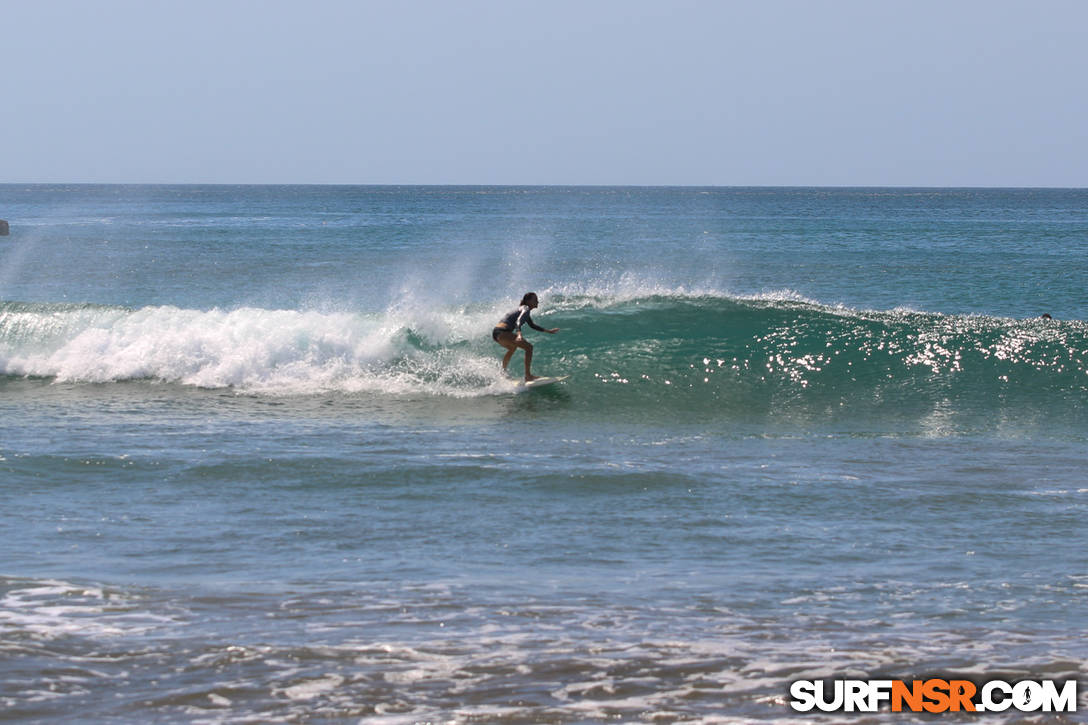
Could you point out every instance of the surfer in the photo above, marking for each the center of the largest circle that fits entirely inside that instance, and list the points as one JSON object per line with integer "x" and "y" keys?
{"x": 508, "y": 333}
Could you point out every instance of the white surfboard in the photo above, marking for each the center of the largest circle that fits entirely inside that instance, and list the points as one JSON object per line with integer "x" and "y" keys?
{"x": 542, "y": 381}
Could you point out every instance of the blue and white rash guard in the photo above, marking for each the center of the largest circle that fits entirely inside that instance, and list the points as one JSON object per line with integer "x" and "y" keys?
{"x": 517, "y": 318}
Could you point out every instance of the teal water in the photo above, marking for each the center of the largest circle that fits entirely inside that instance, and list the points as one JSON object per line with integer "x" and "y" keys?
{"x": 258, "y": 460}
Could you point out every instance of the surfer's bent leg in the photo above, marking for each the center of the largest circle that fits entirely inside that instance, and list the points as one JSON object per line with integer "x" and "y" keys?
{"x": 512, "y": 342}
{"x": 528, "y": 348}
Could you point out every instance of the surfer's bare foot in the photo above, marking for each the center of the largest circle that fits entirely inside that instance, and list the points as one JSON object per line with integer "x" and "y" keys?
{"x": 531, "y": 378}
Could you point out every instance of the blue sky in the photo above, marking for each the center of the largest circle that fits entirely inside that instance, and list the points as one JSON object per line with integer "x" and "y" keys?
{"x": 775, "y": 92}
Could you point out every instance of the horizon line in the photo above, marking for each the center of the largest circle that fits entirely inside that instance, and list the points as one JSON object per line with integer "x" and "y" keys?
{"x": 536, "y": 186}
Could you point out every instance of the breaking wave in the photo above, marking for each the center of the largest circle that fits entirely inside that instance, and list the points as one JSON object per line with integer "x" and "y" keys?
{"x": 776, "y": 355}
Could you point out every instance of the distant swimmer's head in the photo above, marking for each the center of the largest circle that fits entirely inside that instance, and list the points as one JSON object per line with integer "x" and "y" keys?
{"x": 1046, "y": 316}
{"x": 530, "y": 300}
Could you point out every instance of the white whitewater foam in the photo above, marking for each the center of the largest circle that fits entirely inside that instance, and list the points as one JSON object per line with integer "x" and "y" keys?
{"x": 48, "y": 609}
{"x": 256, "y": 350}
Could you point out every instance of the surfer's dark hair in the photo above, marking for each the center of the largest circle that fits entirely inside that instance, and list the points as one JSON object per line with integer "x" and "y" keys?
{"x": 525, "y": 298}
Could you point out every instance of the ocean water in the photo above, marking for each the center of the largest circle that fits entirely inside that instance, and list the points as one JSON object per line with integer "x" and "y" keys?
{"x": 258, "y": 460}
